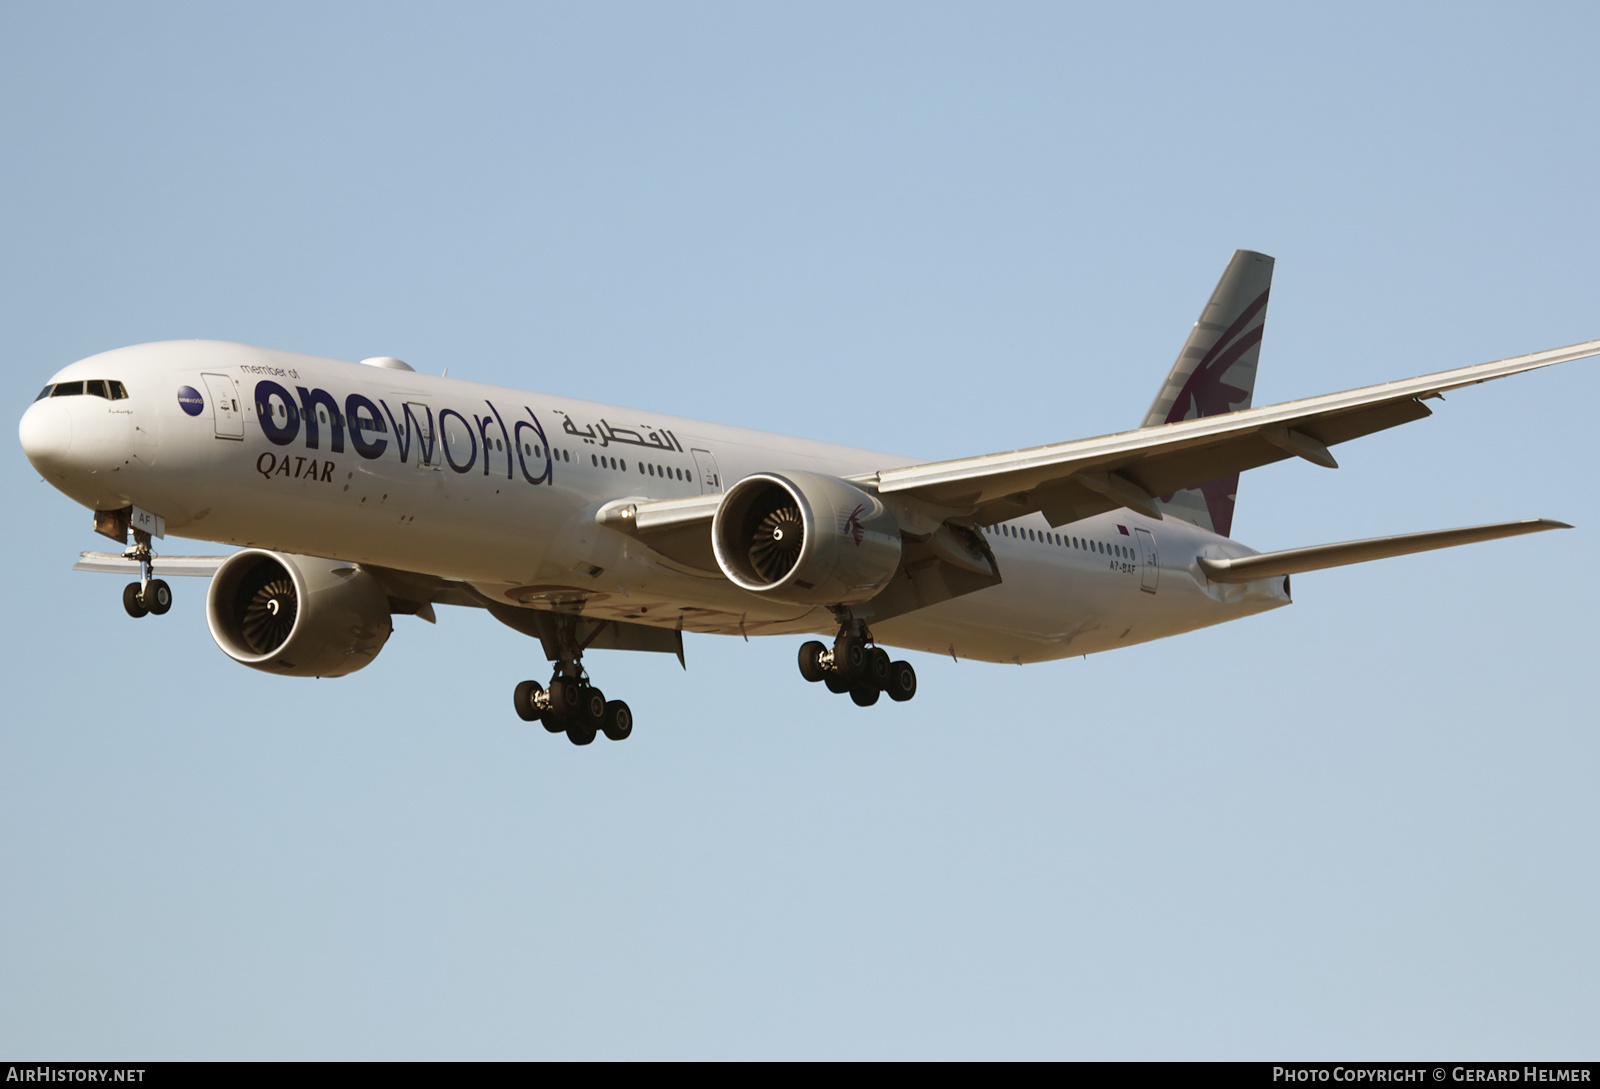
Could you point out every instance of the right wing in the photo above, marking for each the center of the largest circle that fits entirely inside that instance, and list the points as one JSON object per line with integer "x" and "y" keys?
{"x": 165, "y": 566}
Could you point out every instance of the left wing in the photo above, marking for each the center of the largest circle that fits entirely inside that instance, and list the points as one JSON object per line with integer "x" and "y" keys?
{"x": 1072, "y": 480}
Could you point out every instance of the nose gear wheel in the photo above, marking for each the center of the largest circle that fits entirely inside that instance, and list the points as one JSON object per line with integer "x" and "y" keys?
{"x": 149, "y": 596}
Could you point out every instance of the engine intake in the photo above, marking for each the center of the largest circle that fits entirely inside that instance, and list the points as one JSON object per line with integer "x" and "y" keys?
{"x": 805, "y": 538}
{"x": 297, "y": 616}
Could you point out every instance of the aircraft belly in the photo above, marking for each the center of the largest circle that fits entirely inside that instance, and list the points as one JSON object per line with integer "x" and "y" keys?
{"x": 529, "y": 537}
{"x": 538, "y": 547}
{"x": 1065, "y": 604}
{"x": 542, "y": 548}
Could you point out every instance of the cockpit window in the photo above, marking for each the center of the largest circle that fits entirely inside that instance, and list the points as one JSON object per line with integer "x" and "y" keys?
{"x": 109, "y": 388}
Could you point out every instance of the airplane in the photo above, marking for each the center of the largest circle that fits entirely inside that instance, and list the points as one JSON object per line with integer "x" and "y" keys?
{"x": 357, "y": 491}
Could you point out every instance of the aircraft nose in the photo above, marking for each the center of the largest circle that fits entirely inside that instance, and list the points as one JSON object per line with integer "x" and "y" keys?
{"x": 46, "y": 434}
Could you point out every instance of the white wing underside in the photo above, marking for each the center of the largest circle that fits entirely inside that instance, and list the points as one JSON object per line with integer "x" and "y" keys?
{"x": 163, "y": 566}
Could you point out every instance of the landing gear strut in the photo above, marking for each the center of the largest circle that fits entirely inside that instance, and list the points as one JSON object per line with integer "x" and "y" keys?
{"x": 570, "y": 704}
{"x": 148, "y": 595}
{"x": 856, "y": 666}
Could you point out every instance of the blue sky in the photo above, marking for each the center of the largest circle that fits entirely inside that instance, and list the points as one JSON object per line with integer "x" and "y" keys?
{"x": 1360, "y": 826}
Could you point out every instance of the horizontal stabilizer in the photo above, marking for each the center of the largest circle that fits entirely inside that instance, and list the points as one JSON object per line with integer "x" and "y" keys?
{"x": 164, "y": 566}
{"x": 1295, "y": 560}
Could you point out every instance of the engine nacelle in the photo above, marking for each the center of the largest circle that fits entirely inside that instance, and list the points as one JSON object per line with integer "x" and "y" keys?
{"x": 805, "y": 538}
{"x": 297, "y": 616}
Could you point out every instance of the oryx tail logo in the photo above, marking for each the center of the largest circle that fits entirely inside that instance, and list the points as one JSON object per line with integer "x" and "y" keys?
{"x": 852, "y": 525}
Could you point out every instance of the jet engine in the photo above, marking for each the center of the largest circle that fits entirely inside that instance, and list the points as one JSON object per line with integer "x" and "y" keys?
{"x": 805, "y": 539}
{"x": 297, "y": 616}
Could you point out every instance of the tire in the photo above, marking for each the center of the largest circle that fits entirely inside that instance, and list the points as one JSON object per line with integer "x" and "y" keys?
{"x": 580, "y": 733}
{"x": 592, "y": 707}
{"x": 157, "y": 597}
{"x": 810, "y": 660}
{"x": 566, "y": 697}
{"x": 849, "y": 656}
{"x": 131, "y": 602}
{"x": 877, "y": 673}
{"x": 619, "y": 721}
{"x": 553, "y": 722}
{"x": 836, "y": 684}
{"x": 902, "y": 681}
{"x": 523, "y": 698}
{"x": 864, "y": 697}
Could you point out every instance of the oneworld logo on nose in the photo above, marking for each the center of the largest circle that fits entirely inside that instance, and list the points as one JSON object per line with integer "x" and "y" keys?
{"x": 190, "y": 401}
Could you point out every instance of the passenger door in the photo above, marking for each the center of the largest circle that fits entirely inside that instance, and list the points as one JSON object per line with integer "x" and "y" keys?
{"x": 225, "y": 405}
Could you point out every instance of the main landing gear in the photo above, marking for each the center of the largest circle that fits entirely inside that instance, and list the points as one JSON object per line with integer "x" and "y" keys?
{"x": 855, "y": 666}
{"x": 148, "y": 595}
{"x": 573, "y": 706}
{"x": 570, "y": 704}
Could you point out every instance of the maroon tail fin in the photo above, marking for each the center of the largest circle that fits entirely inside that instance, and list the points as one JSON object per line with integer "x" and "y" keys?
{"x": 1216, "y": 373}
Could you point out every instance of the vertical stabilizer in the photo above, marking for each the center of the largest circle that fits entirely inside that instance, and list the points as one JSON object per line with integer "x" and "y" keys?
{"x": 1216, "y": 373}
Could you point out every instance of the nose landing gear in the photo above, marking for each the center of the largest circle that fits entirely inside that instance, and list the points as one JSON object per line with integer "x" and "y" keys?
{"x": 148, "y": 595}
{"x": 857, "y": 667}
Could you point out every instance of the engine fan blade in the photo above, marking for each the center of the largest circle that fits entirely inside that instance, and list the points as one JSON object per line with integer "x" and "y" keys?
{"x": 775, "y": 546}
{"x": 269, "y": 615}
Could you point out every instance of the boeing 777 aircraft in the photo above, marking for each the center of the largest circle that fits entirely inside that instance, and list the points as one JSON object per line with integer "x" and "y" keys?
{"x": 361, "y": 490}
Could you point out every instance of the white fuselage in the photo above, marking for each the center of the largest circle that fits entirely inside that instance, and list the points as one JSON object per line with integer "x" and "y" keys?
{"x": 499, "y": 488}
